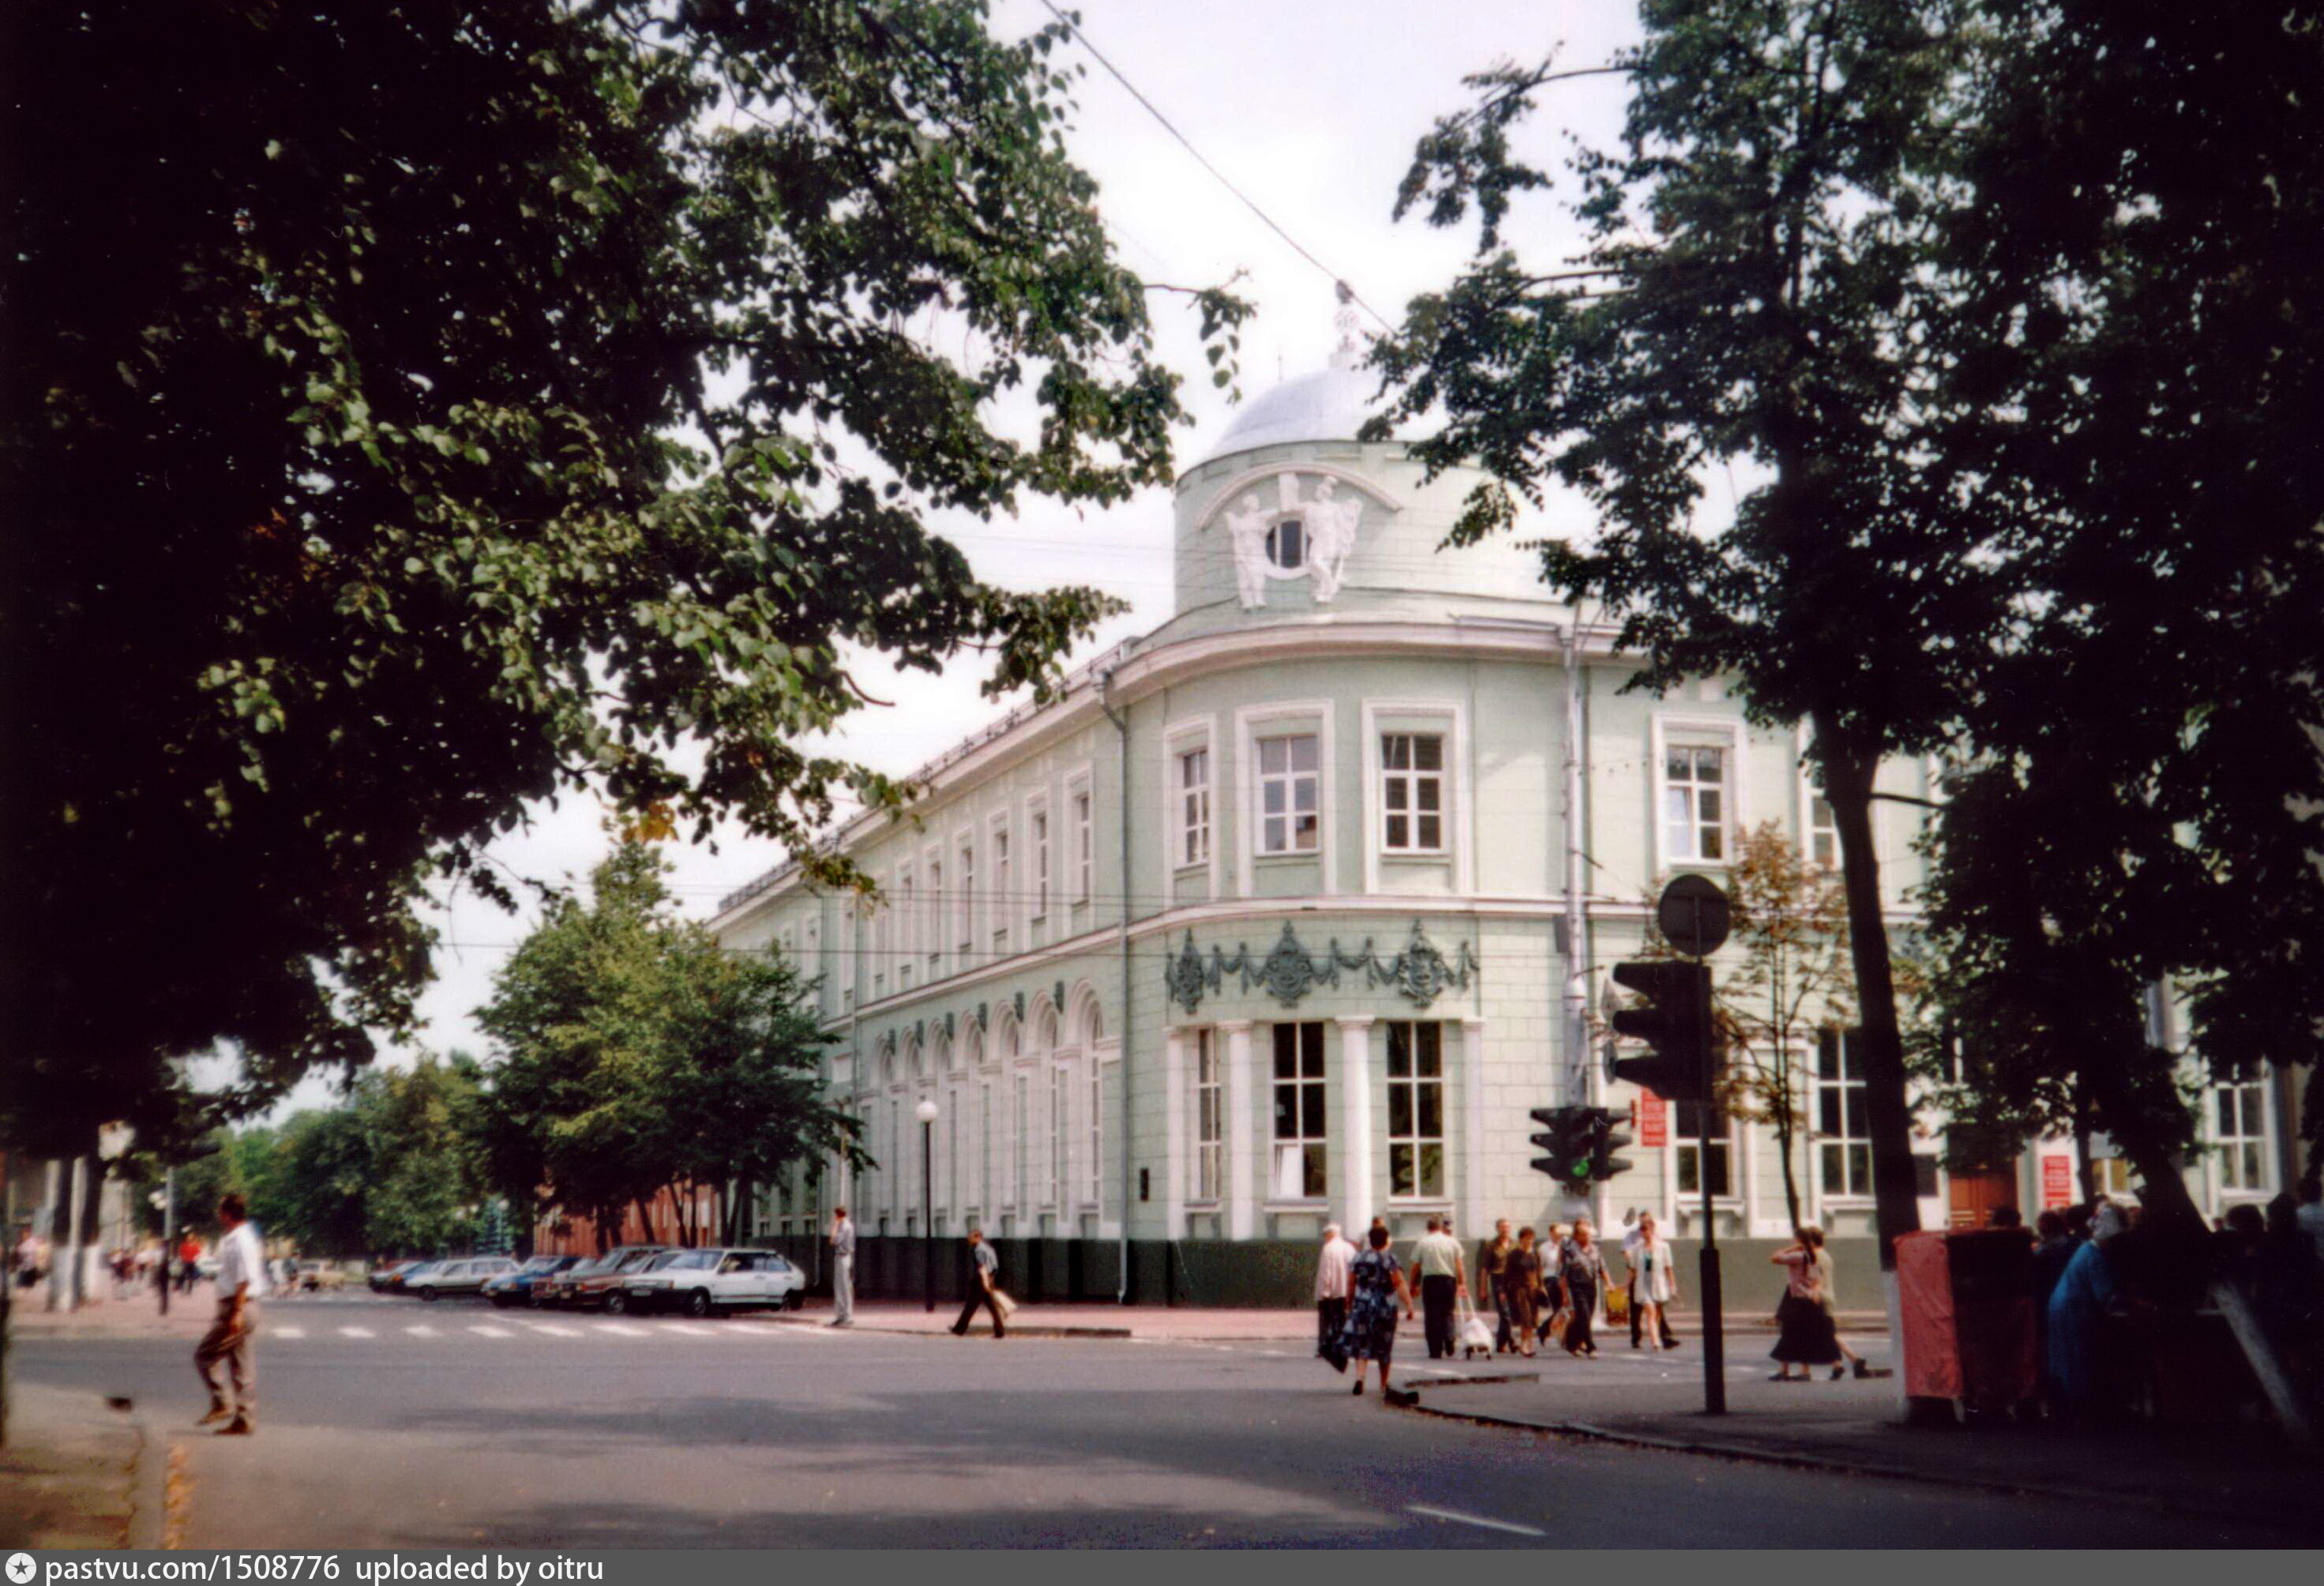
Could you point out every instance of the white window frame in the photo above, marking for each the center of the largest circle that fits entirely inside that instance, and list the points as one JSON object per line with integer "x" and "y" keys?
{"x": 1095, "y": 1182}
{"x": 1278, "y": 1142}
{"x": 1685, "y": 1141}
{"x": 964, "y": 928}
{"x": 1182, "y": 738}
{"x": 1449, "y": 720}
{"x": 2252, "y": 1106}
{"x": 1060, "y": 1127}
{"x": 1081, "y": 823}
{"x": 1411, "y": 780}
{"x": 908, "y": 922}
{"x": 1820, "y": 1139}
{"x": 1038, "y": 900}
{"x": 881, "y": 929}
{"x": 1254, "y": 721}
{"x": 1412, "y": 1086}
{"x": 1002, "y": 915}
{"x": 1287, "y": 818}
{"x": 1669, "y": 732}
{"x": 1209, "y": 1129}
{"x": 932, "y": 909}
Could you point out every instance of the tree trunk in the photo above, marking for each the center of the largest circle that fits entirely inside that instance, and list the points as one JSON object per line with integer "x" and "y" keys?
{"x": 1848, "y": 775}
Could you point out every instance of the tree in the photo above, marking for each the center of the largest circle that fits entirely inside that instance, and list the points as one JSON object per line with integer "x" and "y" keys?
{"x": 448, "y": 407}
{"x": 637, "y": 1057}
{"x": 1753, "y": 291}
{"x": 2139, "y": 375}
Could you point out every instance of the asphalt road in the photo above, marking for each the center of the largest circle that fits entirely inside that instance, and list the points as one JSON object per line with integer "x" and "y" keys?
{"x": 389, "y": 1424}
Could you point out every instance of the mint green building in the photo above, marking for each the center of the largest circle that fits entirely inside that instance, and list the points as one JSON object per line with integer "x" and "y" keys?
{"x": 1289, "y": 912}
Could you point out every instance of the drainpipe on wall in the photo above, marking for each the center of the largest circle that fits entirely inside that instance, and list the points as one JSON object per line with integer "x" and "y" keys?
{"x": 1122, "y": 730}
{"x": 1581, "y": 1078}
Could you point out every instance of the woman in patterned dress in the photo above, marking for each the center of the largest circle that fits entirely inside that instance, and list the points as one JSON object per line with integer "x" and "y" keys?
{"x": 1522, "y": 1282}
{"x": 1374, "y": 1287}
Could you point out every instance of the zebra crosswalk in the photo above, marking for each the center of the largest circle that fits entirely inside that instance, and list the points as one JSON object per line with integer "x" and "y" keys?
{"x": 575, "y": 1328}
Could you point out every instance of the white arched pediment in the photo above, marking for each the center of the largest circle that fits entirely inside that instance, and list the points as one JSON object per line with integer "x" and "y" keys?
{"x": 1294, "y": 521}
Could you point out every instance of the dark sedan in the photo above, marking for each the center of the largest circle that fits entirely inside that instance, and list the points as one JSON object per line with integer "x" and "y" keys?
{"x": 519, "y": 1287}
{"x": 583, "y": 1287}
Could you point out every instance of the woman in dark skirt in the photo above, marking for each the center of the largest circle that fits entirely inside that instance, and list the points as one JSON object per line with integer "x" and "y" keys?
{"x": 1521, "y": 1290}
{"x": 1376, "y": 1286}
{"x": 1808, "y": 1337}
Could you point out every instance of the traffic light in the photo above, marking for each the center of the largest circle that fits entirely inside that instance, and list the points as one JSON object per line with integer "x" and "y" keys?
{"x": 1674, "y": 1019}
{"x": 1604, "y": 1142}
{"x": 1565, "y": 1142}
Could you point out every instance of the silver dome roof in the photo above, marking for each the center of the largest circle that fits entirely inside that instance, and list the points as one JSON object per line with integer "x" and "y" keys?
{"x": 1330, "y": 404}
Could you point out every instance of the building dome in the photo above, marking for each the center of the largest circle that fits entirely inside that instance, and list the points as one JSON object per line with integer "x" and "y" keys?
{"x": 1329, "y": 405}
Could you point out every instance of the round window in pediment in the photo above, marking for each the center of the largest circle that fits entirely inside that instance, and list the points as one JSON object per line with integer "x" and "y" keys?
{"x": 1286, "y": 545}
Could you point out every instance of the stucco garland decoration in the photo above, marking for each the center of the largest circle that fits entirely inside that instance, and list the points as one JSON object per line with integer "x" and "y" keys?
{"x": 1420, "y": 974}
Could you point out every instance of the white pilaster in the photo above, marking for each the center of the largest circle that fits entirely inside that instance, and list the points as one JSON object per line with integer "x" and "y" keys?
{"x": 1241, "y": 1213}
{"x": 1472, "y": 1216}
{"x": 1356, "y": 1122}
{"x": 1174, "y": 1133}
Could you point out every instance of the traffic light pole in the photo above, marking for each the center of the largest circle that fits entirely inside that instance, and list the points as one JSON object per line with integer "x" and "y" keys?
{"x": 1714, "y": 1336}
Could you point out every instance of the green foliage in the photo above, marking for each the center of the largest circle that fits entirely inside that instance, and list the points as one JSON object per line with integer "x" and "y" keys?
{"x": 416, "y": 411}
{"x": 636, "y": 1055}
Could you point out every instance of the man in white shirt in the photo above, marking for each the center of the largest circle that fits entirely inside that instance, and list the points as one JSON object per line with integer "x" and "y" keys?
{"x": 1332, "y": 1293}
{"x": 842, "y": 1268}
{"x": 241, "y": 1284}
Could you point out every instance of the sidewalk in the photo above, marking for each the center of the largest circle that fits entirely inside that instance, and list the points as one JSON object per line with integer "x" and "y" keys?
{"x": 1162, "y": 1322}
{"x": 2229, "y": 1471}
{"x": 77, "y": 1474}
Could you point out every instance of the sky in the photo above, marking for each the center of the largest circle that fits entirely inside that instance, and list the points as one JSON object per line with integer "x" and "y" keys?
{"x": 1311, "y": 110}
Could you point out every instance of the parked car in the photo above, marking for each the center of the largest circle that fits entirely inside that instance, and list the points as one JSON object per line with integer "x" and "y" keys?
{"x": 458, "y": 1278}
{"x": 388, "y": 1274}
{"x": 314, "y": 1276}
{"x": 517, "y": 1288}
{"x": 704, "y": 1283}
{"x": 401, "y": 1281}
{"x": 585, "y": 1287}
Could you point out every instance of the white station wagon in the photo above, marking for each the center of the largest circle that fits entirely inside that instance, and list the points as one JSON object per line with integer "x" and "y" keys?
{"x": 702, "y": 1283}
{"x": 457, "y": 1276}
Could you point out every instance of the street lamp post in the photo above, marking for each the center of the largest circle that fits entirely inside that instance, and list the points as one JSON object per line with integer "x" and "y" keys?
{"x": 927, "y": 1113}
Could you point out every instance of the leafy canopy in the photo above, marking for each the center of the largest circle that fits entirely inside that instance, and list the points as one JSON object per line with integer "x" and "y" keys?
{"x": 417, "y": 410}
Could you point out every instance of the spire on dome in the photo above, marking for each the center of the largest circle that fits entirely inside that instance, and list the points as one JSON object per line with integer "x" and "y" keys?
{"x": 1343, "y": 320}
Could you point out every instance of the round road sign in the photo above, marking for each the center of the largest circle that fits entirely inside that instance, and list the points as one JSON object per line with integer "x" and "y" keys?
{"x": 1691, "y": 916}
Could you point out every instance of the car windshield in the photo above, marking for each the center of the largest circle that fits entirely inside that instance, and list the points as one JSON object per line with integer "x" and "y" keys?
{"x": 637, "y": 1259}
{"x": 694, "y": 1260}
{"x": 541, "y": 1264}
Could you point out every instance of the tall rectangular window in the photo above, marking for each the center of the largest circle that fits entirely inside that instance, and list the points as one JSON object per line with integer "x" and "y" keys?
{"x": 988, "y": 1191}
{"x": 907, "y": 920}
{"x": 1299, "y": 1117}
{"x": 1037, "y": 835}
{"x": 881, "y": 929}
{"x": 1208, "y": 1116}
{"x": 965, "y": 902}
{"x": 1004, "y": 903}
{"x": 2239, "y": 1114}
{"x": 1193, "y": 795}
{"x": 932, "y": 938}
{"x": 1020, "y": 1143}
{"x": 1694, "y": 802}
{"x": 1686, "y": 1126}
{"x": 1084, "y": 848}
{"x": 1054, "y": 1192}
{"x": 1843, "y": 1127}
{"x": 1416, "y": 1109}
{"x": 1412, "y": 793}
{"x": 1823, "y": 831}
{"x": 1289, "y": 794}
{"x": 1096, "y": 1127}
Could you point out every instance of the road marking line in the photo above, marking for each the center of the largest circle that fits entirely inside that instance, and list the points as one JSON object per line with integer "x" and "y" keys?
{"x": 289, "y": 1332}
{"x": 356, "y": 1332}
{"x": 1460, "y": 1519}
{"x": 482, "y": 1332}
{"x": 421, "y": 1331}
{"x": 688, "y": 1328}
{"x": 619, "y": 1329}
{"x": 552, "y": 1328}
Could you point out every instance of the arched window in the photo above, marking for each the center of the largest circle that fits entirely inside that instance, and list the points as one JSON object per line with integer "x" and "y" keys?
{"x": 1286, "y": 545}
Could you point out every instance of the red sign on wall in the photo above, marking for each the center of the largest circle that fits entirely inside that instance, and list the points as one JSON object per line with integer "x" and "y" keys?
{"x": 2057, "y": 1182}
{"x": 1652, "y": 1115}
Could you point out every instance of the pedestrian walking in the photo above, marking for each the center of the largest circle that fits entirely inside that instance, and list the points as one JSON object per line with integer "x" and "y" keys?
{"x": 241, "y": 1285}
{"x": 1492, "y": 1258}
{"x": 1443, "y": 1275}
{"x": 190, "y": 1256}
{"x": 1654, "y": 1284}
{"x": 842, "y": 1268}
{"x": 1375, "y": 1288}
{"x": 983, "y": 1287}
{"x": 1581, "y": 1277}
{"x": 1331, "y": 1296}
{"x": 1806, "y": 1337}
{"x": 1522, "y": 1290}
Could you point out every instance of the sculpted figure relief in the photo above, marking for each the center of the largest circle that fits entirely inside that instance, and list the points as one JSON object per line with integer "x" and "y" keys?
{"x": 1331, "y": 535}
{"x": 1246, "y": 533}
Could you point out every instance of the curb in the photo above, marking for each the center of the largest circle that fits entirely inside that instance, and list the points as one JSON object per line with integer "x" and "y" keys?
{"x": 149, "y": 1487}
{"x": 1035, "y": 1331}
{"x": 1749, "y": 1454}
